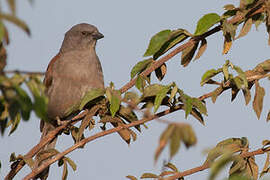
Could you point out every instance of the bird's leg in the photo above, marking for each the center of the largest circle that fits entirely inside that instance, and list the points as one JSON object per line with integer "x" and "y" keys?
{"x": 61, "y": 122}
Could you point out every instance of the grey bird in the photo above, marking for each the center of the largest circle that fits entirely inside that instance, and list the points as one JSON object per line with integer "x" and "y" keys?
{"x": 75, "y": 70}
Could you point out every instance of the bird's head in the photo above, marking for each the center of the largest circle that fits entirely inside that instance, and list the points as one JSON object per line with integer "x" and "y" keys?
{"x": 81, "y": 36}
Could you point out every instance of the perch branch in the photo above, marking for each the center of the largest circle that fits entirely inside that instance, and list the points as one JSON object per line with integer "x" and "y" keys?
{"x": 206, "y": 165}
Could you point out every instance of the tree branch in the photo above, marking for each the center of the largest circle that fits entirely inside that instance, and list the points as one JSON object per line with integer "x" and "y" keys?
{"x": 206, "y": 165}
{"x": 158, "y": 63}
{"x": 24, "y": 72}
{"x": 43, "y": 142}
{"x": 98, "y": 135}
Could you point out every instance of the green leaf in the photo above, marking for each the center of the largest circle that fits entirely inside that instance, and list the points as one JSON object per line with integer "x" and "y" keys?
{"x": 157, "y": 41}
{"x": 84, "y": 123}
{"x": 238, "y": 164}
{"x": 196, "y": 114}
{"x": 199, "y": 105}
{"x": 173, "y": 92}
{"x": 229, "y": 13}
{"x": 225, "y": 70}
{"x": 140, "y": 83}
{"x": 15, "y": 123}
{"x": 40, "y": 103}
{"x": 252, "y": 168}
{"x": 247, "y": 2}
{"x": 46, "y": 154}
{"x": 258, "y": 19}
{"x": 140, "y": 66}
{"x": 265, "y": 142}
{"x": 258, "y": 99}
{"x": 247, "y": 95}
{"x": 230, "y": 145}
{"x": 91, "y": 95}
{"x": 75, "y": 134}
{"x": 161, "y": 72}
{"x": 227, "y": 43}
{"x": 246, "y": 28}
{"x": 266, "y": 168}
{"x": 206, "y": 22}
{"x": 238, "y": 82}
{"x": 235, "y": 91}
{"x": 71, "y": 163}
{"x": 175, "y": 142}
{"x": 60, "y": 162}
{"x": 152, "y": 90}
{"x": 176, "y": 37}
{"x": 15, "y": 20}
{"x": 229, "y": 30}
{"x": 187, "y": 105}
{"x": 219, "y": 164}
{"x": 229, "y": 7}
{"x": 115, "y": 102}
{"x": 160, "y": 96}
{"x": 188, "y": 54}
{"x": 29, "y": 162}
{"x": 239, "y": 177}
{"x": 24, "y": 101}
{"x": 65, "y": 172}
{"x": 209, "y": 74}
{"x": 187, "y": 135}
{"x": 131, "y": 96}
{"x": 172, "y": 167}
{"x": 163, "y": 140}
{"x": 149, "y": 175}
{"x": 202, "y": 49}
{"x": 12, "y": 157}
{"x": 244, "y": 167}
{"x": 131, "y": 177}
{"x": 2, "y": 31}
{"x": 129, "y": 115}
{"x": 233, "y": 144}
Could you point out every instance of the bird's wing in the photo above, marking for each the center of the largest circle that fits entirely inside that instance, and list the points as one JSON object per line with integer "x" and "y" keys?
{"x": 48, "y": 75}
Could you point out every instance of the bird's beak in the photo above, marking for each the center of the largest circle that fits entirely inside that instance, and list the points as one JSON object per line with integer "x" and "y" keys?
{"x": 98, "y": 35}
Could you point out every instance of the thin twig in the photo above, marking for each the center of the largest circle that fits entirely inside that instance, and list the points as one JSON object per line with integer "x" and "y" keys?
{"x": 43, "y": 143}
{"x": 24, "y": 72}
{"x": 179, "y": 49}
{"x": 206, "y": 165}
{"x": 98, "y": 135}
{"x": 229, "y": 83}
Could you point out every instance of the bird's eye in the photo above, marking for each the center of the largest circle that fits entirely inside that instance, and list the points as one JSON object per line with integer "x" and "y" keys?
{"x": 85, "y": 33}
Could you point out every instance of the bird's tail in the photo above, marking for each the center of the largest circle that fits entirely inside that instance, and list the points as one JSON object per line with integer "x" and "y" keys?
{"x": 45, "y": 128}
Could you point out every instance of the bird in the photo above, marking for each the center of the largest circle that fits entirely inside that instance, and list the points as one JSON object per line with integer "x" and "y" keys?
{"x": 75, "y": 70}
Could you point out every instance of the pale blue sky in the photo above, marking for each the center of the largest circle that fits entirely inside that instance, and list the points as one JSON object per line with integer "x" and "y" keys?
{"x": 128, "y": 26}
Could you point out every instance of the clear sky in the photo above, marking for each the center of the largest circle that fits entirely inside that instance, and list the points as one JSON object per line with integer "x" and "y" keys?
{"x": 128, "y": 27}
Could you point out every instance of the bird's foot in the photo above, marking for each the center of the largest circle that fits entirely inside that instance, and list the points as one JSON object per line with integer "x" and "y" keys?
{"x": 61, "y": 122}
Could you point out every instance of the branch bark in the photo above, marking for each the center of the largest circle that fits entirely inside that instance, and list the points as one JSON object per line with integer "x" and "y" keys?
{"x": 98, "y": 135}
{"x": 206, "y": 166}
{"x": 41, "y": 144}
{"x": 158, "y": 63}
{"x": 24, "y": 72}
